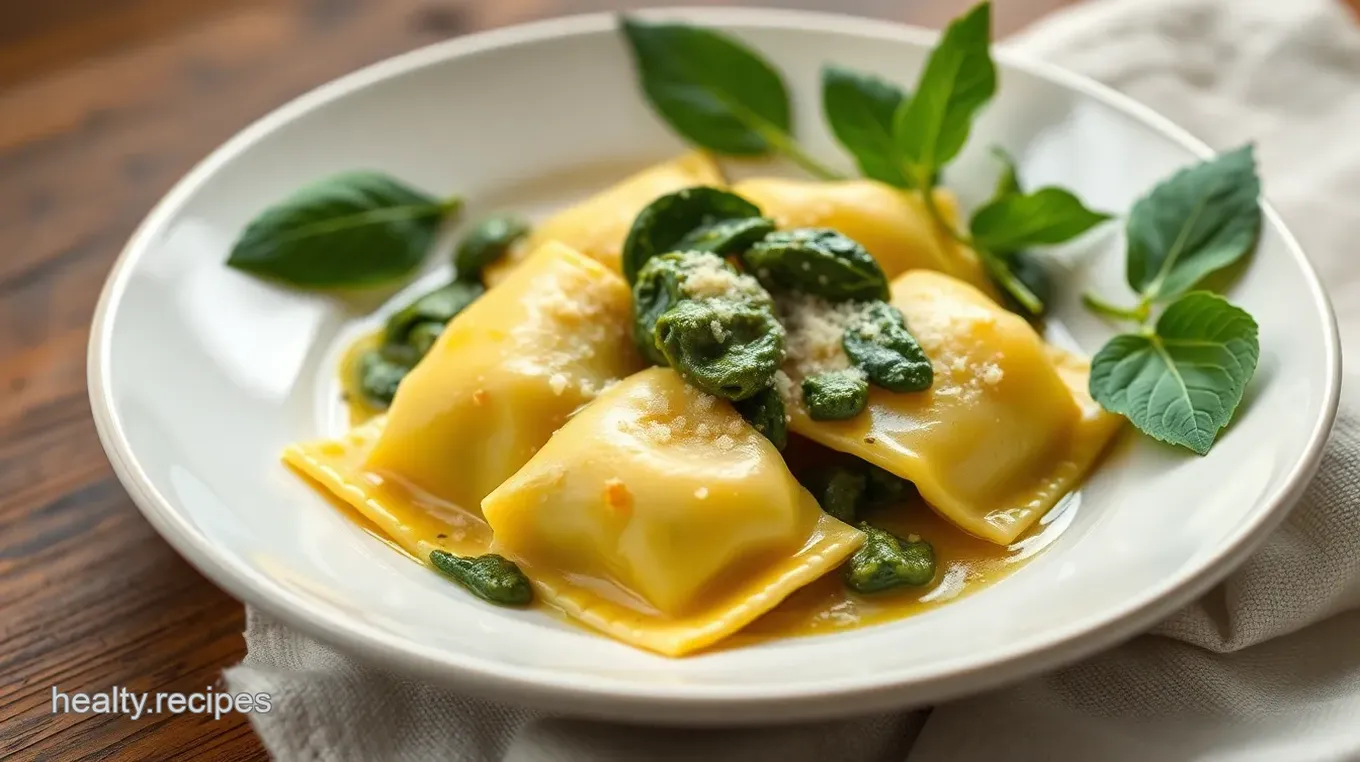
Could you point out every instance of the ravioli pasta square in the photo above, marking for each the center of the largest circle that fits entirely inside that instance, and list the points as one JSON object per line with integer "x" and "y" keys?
{"x": 505, "y": 374}
{"x": 1006, "y": 429}
{"x": 598, "y": 225}
{"x": 659, "y": 516}
{"x": 414, "y": 522}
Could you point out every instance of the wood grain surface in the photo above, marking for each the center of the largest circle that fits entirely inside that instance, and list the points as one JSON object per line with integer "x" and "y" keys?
{"x": 103, "y": 105}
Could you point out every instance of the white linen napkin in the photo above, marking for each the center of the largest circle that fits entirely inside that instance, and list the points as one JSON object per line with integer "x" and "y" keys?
{"x": 1265, "y": 667}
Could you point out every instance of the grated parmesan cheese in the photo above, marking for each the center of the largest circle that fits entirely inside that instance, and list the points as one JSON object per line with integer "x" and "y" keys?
{"x": 712, "y": 278}
{"x": 950, "y": 338}
{"x": 719, "y": 333}
{"x": 697, "y": 418}
{"x": 568, "y": 315}
{"x": 814, "y": 329}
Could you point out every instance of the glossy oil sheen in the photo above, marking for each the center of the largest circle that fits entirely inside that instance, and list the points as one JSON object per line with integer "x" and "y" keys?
{"x": 1006, "y": 429}
{"x": 415, "y": 522}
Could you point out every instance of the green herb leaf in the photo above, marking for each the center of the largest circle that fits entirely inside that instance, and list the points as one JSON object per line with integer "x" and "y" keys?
{"x": 836, "y": 394}
{"x": 695, "y": 215}
{"x": 839, "y": 490}
{"x": 726, "y": 236}
{"x": 817, "y": 261}
{"x": 728, "y": 348}
{"x": 660, "y": 286}
{"x": 423, "y": 336}
{"x": 958, "y": 79}
{"x": 379, "y": 377}
{"x": 765, "y": 411}
{"x": 1182, "y": 383}
{"x": 486, "y": 242}
{"x": 878, "y": 343}
{"x": 1029, "y": 269}
{"x": 491, "y": 577}
{"x": 887, "y": 561}
{"x": 1008, "y": 182}
{"x": 885, "y": 487}
{"x": 1045, "y": 217}
{"x": 859, "y": 109}
{"x": 349, "y": 230}
{"x": 1204, "y": 218}
{"x": 438, "y": 306}
{"x": 709, "y": 87}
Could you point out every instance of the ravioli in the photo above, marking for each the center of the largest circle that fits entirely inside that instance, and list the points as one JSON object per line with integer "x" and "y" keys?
{"x": 597, "y": 226}
{"x": 415, "y": 522}
{"x": 659, "y": 516}
{"x": 891, "y": 223}
{"x": 1007, "y": 428}
{"x": 504, "y": 375}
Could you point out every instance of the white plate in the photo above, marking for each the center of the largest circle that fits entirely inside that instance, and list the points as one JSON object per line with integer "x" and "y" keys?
{"x": 199, "y": 376}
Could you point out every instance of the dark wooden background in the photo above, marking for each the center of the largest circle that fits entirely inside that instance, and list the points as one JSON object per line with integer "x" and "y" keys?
{"x": 103, "y": 105}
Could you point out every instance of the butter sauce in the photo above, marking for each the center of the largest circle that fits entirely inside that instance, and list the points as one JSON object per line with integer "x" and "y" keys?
{"x": 966, "y": 564}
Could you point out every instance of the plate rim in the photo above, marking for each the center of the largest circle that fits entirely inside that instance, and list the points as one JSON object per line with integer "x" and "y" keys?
{"x": 602, "y": 696}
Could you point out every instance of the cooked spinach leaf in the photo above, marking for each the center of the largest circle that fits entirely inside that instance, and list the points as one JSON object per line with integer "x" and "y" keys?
{"x": 879, "y": 343}
{"x": 817, "y": 261}
{"x": 698, "y": 219}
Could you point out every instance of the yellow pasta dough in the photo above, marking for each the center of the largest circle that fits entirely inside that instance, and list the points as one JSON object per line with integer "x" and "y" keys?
{"x": 659, "y": 516}
{"x": 505, "y": 374}
{"x": 1007, "y": 428}
{"x": 597, "y": 226}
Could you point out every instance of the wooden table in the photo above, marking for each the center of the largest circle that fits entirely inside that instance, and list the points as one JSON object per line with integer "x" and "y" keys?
{"x": 103, "y": 105}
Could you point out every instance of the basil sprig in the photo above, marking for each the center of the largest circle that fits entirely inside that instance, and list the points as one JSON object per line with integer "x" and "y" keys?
{"x": 350, "y": 230}
{"x": 1201, "y": 220}
{"x": 911, "y": 146}
{"x": 1180, "y": 379}
{"x": 860, "y": 109}
{"x": 716, "y": 92}
{"x": 959, "y": 78}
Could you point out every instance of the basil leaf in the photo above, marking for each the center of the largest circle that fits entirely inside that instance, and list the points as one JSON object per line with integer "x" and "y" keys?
{"x": 349, "y": 230}
{"x": 1203, "y": 219}
{"x": 709, "y": 87}
{"x": 486, "y": 242}
{"x": 1008, "y": 183}
{"x": 878, "y": 343}
{"x": 859, "y": 109}
{"x": 438, "y": 306}
{"x": 958, "y": 79}
{"x": 817, "y": 261}
{"x": 1182, "y": 383}
{"x": 666, "y": 222}
{"x": 1044, "y": 217}
{"x": 1033, "y": 274}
